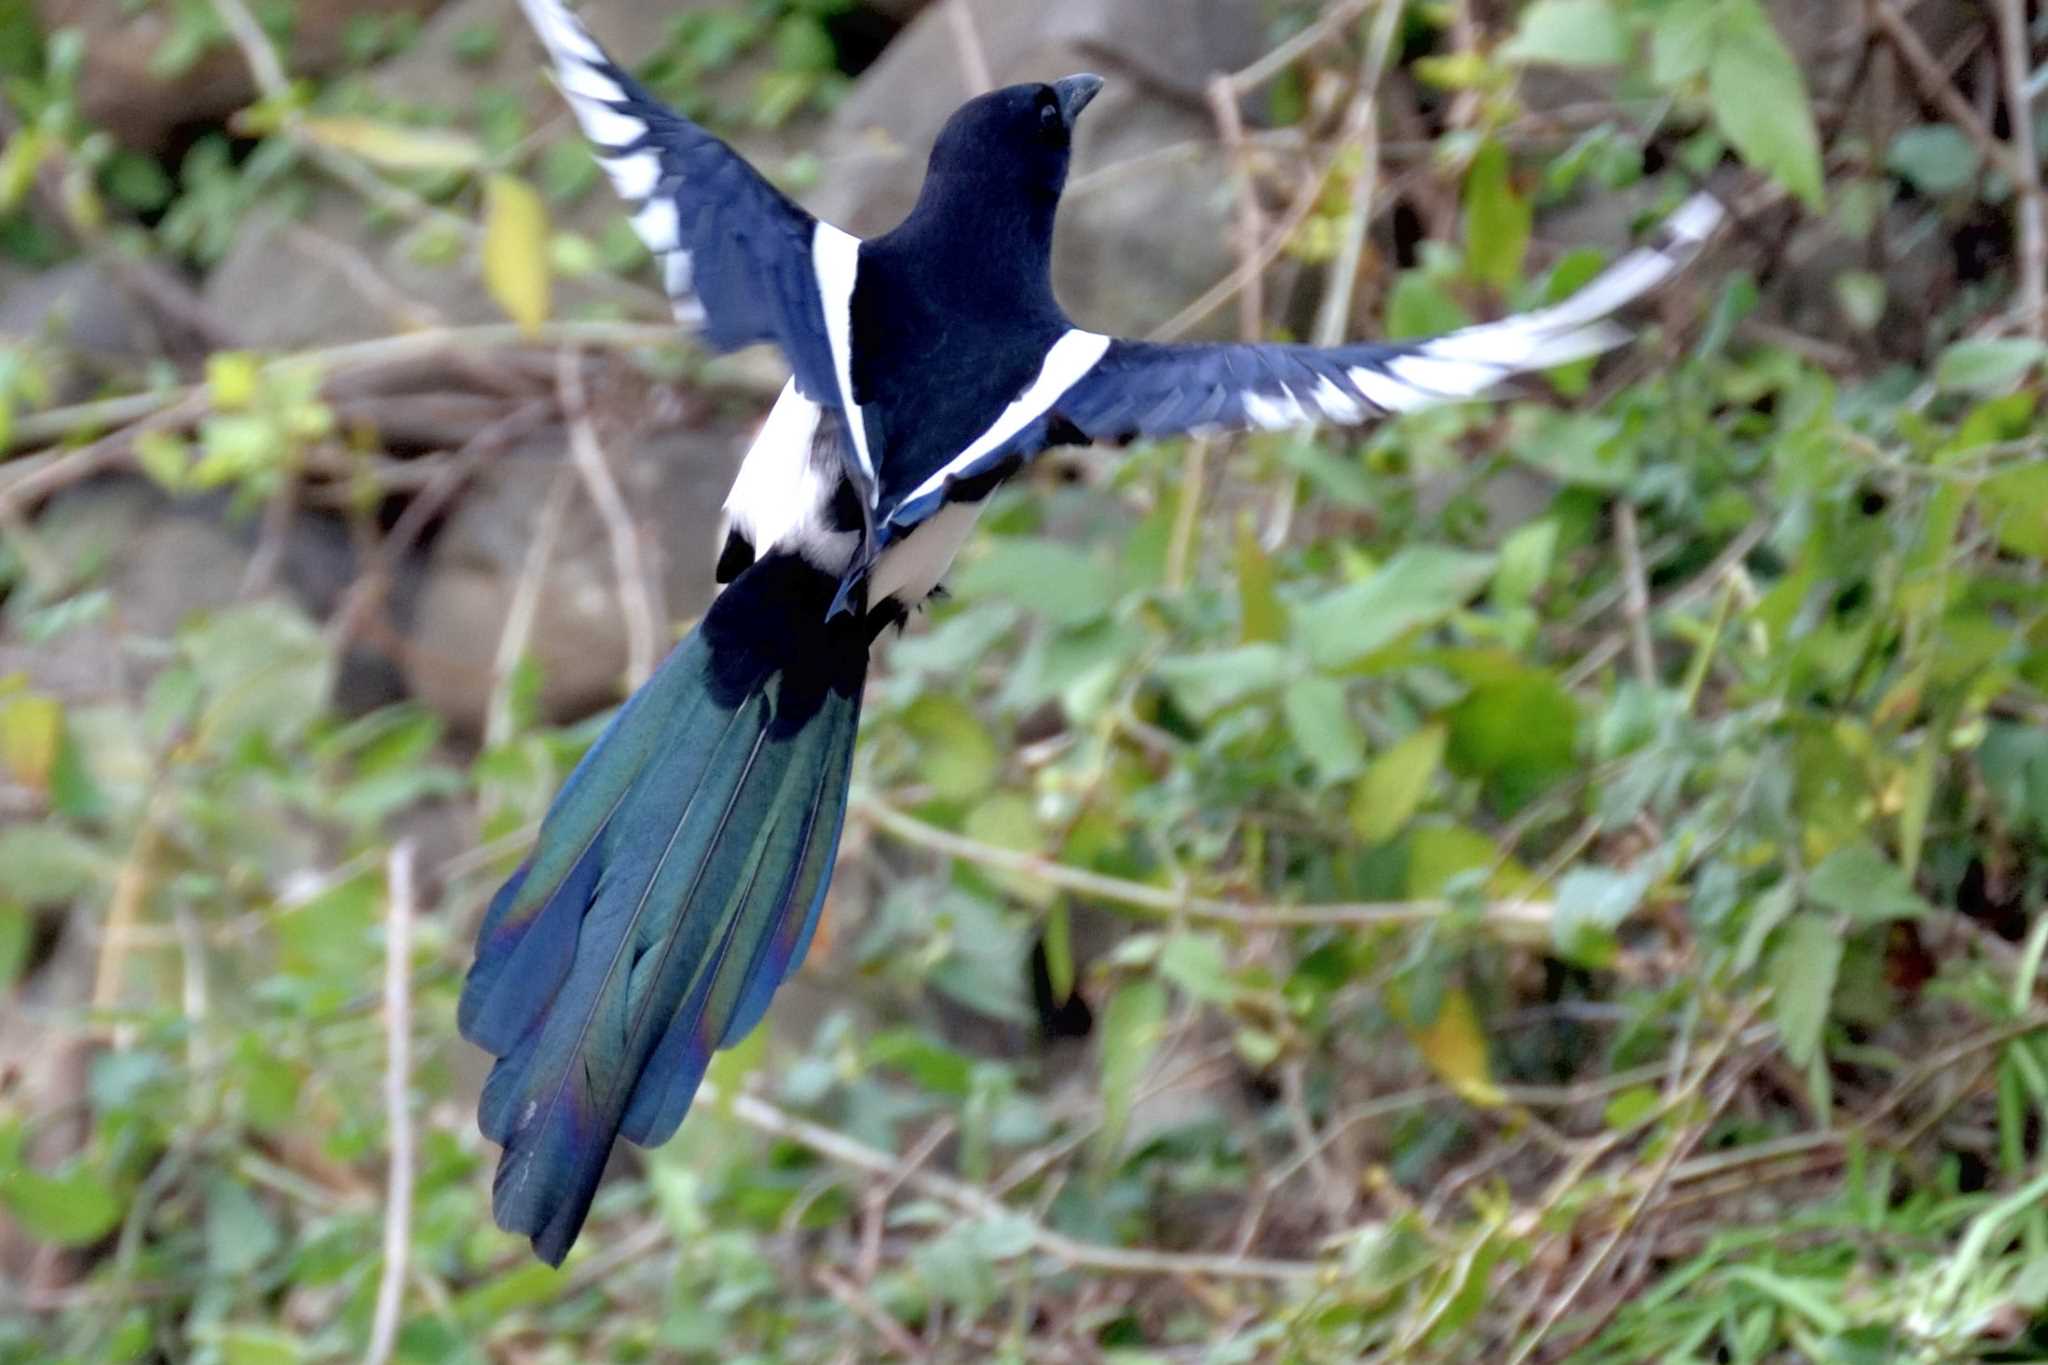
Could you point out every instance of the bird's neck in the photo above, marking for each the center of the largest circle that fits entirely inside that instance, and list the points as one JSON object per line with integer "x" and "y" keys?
{"x": 982, "y": 244}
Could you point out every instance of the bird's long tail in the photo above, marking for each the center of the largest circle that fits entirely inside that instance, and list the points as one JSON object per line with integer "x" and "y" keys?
{"x": 675, "y": 884}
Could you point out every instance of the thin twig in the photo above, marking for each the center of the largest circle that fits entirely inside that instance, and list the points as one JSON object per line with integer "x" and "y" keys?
{"x": 1300, "y": 45}
{"x": 1333, "y": 317}
{"x": 629, "y": 566}
{"x": 524, "y": 606}
{"x": 1938, "y": 89}
{"x": 397, "y": 1103}
{"x": 866, "y": 1309}
{"x": 1516, "y": 919}
{"x": 1693, "y": 590}
{"x": 1251, "y": 302}
{"x": 2012, "y": 32}
{"x": 1635, "y": 597}
{"x": 968, "y": 1199}
{"x": 257, "y": 49}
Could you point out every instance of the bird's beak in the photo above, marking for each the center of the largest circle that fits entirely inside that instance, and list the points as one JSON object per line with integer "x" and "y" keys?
{"x": 1075, "y": 92}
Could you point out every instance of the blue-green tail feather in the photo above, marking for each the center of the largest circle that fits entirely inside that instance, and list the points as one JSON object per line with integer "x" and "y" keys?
{"x": 676, "y": 882}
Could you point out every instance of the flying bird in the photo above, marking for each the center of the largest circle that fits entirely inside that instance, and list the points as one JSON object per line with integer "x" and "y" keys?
{"x": 678, "y": 876}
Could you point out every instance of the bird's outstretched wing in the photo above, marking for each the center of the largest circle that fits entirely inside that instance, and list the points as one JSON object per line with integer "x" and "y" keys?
{"x": 1095, "y": 388}
{"x": 739, "y": 260}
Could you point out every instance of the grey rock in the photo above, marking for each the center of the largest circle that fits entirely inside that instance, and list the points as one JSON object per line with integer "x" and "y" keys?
{"x": 90, "y": 327}
{"x": 674, "y": 478}
{"x": 122, "y": 91}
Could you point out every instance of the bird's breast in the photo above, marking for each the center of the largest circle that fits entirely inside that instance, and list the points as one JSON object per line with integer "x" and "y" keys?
{"x": 910, "y": 569}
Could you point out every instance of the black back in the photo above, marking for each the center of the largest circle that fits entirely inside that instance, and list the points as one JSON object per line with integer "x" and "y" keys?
{"x": 953, "y": 311}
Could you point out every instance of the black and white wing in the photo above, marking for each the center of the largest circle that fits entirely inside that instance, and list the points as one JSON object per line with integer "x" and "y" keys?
{"x": 1095, "y": 388}
{"x": 739, "y": 259}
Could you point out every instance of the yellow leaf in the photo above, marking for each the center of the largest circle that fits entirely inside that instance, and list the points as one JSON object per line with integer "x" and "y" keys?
{"x": 1392, "y": 789}
{"x": 516, "y": 250}
{"x": 1455, "y": 1049}
{"x": 31, "y": 730}
{"x": 388, "y": 144}
{"x": 232, "y": 377}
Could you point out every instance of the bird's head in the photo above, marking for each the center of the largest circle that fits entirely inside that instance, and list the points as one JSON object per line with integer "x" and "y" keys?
{"x": 1021, "y": 136}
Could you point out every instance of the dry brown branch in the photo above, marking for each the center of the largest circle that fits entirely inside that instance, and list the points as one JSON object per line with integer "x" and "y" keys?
{"x": 2014, "y": 56}
{"x": 1937, "y": 88}
{"x": 1635, "y": 598}
{"x": 525, "y": 605}
{"x": 975, "y": 1202}
{"x": 1513, "y": 919}
{"x": 1693, "y": 590}
{"x": 629, "y": 564}
{"x": 398, "y": 920}
{"x": 1327, "y": 26}
{"x": 865, "y": 1308}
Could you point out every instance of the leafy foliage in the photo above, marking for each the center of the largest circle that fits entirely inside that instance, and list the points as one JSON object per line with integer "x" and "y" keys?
{"x": 1467, "y": 923}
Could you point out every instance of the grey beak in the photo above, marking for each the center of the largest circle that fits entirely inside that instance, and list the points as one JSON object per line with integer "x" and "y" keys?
{"x": 1075, "y": 92}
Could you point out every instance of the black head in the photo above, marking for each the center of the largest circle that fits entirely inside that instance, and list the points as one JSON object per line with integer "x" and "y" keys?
{"x": 1019, "y": 137}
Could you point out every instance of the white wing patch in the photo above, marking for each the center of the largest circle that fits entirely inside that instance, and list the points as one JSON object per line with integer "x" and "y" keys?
{"x": 782, "y": 498}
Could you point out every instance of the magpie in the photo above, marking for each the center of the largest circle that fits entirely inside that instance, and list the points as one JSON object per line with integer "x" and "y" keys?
{"x": 678, "y": 876}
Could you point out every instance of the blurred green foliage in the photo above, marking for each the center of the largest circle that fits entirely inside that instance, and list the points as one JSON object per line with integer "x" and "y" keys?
{"x": 1599, "y": 931}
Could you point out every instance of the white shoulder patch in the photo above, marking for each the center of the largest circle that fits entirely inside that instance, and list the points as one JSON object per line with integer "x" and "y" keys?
{"x": 1069, "y": 359}
{"x": 835, "y": 257}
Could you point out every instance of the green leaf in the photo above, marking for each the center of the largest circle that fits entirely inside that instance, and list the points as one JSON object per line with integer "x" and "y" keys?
{"x": 1319, "y": 722}
{"x": 516, "y": 262}
{"x": 1861, "y": 294}
{"x": 258, "y": 1346}
{"x": 1198, "y": 965}
{"x": 958, "y": 756}
{"x": 1497, "y": 220}
{"x": 1802, "y": 974}
{"x": 1525, "y": 560}
{"x": 1419, "y": 306}
{"x": 1260, "y": 617}
{"x": 16, "y": 930}
{"x": 1989, "y": 364}
{"x": 1591, "y": 903}
{"x": 1631, "y": 1107}
{"x": 1569, "y": 33}
{"x": 1934, "y": 158}
{"x": 1059, "y": 952}
{"x": 73, "y": 1209}
{"x": 265, "y": 670}
{"x": 2016, "y": 507}
{"x": 1518, "y": 732}
{"x": 31, "y": 736}
{"x": 1392, "y": 789}
{"x": 1421, "y": 586}
{"x": 1133, "y": 1026}
{"x": 240, "y": 1235}
{"x": 1065, "y": 585}
{"x": 47, "y": 864}
{"x": 1857, "y": 880}
{"x": 1759, "y": 101}
{"x": 1205, "y": 684}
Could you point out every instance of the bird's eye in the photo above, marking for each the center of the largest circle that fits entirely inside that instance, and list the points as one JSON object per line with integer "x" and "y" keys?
{"x": 1049, "y": 119}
